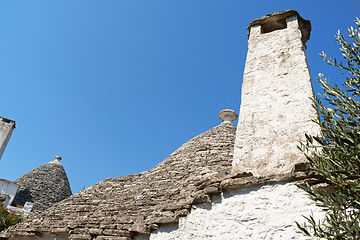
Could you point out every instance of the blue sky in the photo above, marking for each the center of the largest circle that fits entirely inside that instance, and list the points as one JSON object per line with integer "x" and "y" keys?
{"x": 116, "y": 86}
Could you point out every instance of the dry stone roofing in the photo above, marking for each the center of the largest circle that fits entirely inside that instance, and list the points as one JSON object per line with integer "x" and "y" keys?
{"x": 43, "y": 186}
{"x": 120, "y": 208}
{"x": 138, "y": 203}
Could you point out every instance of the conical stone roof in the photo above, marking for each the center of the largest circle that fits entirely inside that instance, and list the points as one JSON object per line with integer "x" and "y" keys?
{"x": 122, "y": 207}
{"x": 44, "y": 186}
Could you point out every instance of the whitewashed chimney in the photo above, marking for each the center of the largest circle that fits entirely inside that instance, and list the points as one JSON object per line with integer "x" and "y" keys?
{"x": 275, "y": 107}
{"x": 6, "y": 128}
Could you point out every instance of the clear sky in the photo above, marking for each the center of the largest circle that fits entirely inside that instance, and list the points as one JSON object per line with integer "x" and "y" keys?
{"x": 116, "y": 86}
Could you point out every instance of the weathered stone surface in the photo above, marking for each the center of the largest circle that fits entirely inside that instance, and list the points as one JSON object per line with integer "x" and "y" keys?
{"x": 134, "y": 205}
{"x": 80, "y": 236}
{"x": 44, "y": 186}
{"x": 265, "y": 212}
{"x": 111, "y": 238}
{"x": 6, "y": 128}
{"x": 120, "y": 207}
{"x": 255, "y": 202}
{"x": 276, "y": 109}
{"x": 277, "y": 20}
{"x": 116, "y": 232}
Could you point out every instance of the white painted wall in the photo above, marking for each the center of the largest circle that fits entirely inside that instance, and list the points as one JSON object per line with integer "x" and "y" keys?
{"x": 266, "y": 212}
{"x": 25, "y": 211}
{"x": 10, "y": 189}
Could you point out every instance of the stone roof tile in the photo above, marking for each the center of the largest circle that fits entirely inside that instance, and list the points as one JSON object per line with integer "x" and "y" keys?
{"x": 44, "y": 186}
{"x": 138, "y": 203}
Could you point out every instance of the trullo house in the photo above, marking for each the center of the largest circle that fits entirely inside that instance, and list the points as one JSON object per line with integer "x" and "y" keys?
{"x": 227, "y": 183}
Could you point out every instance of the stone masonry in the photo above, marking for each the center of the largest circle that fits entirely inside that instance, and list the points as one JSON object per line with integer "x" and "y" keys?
{"x": 262, "y": 212}
{"x": 43, "y": 186}
{"x": 226, "y": 183}
{"x": 6, "y": 128}
{"x": 131, "y": 207}
{"x": 276, "y": 109}
{"x": 120, "y": 208}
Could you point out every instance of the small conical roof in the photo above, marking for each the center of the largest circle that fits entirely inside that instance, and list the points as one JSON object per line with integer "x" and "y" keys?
{"x": 43, "y": 186}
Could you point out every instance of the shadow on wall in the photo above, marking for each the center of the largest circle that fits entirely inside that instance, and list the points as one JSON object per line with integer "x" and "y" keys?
{"x": 22, "y": 197}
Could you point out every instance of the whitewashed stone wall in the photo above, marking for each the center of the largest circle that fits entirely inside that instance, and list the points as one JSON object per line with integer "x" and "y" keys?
{"x": 267, "y": 212}
{"x": 6, "y": 128}
{"x": 9, "y": 189}
{"x": 275, "y": 107}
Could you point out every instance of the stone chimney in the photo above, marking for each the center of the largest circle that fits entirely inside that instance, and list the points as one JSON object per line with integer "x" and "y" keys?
{"x": 275, "y": 110}
{"x": 6, "y": 128}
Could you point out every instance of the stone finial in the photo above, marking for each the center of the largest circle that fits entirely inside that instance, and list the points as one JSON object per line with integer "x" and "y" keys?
{"x": 58, "y": 158}
{"x": 228, "y": 115}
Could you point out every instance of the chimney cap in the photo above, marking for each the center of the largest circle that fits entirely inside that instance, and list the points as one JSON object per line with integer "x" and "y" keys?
{"x": 58, "y": 158}
{"x": 228, "y": 115}
{"x": 273, "y": 18}
{"x": 8, "y": 121}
